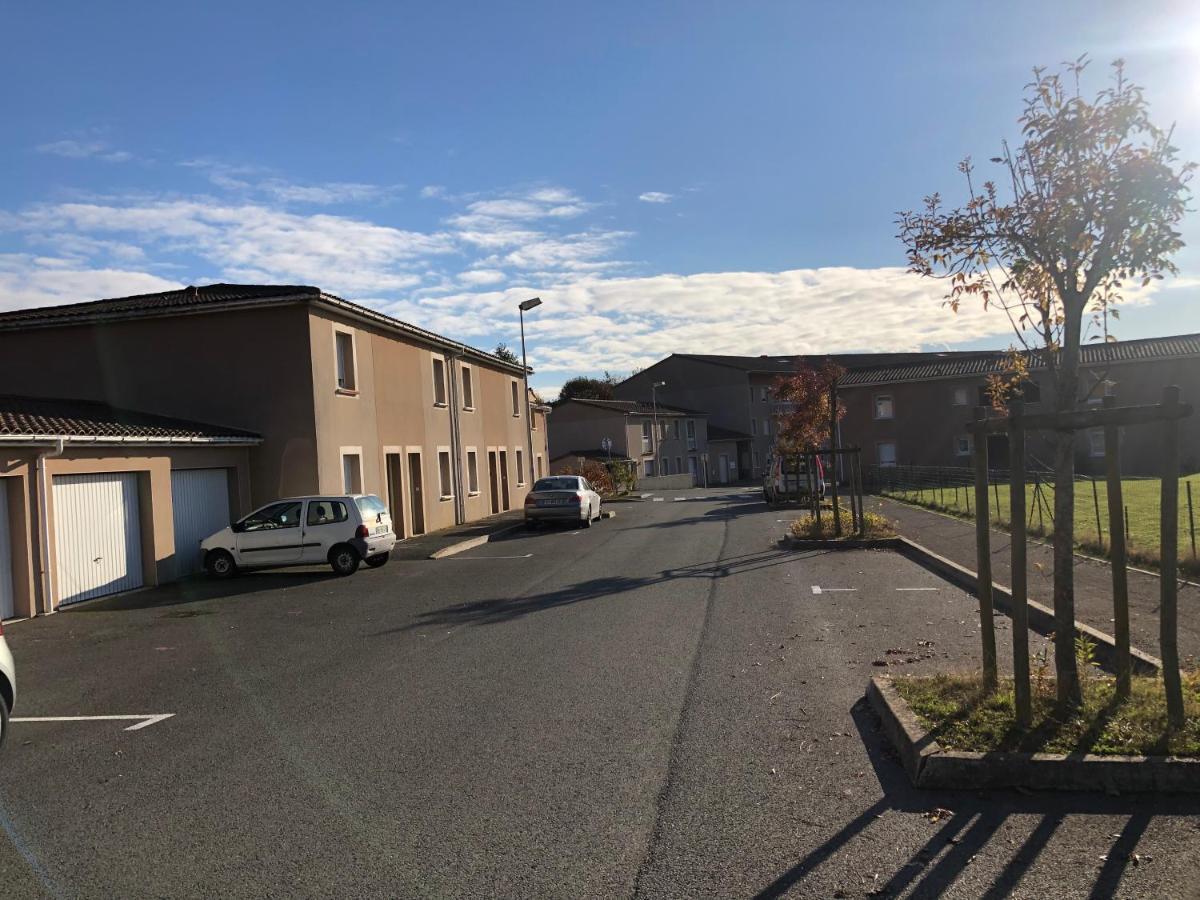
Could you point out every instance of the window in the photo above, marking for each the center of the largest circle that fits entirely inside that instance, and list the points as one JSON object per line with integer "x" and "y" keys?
{"x": 370, "y": 506}
{"x": 666, "y": 466}
{"x": 439, "y": 381}
{"x": 558, "y": 483}
{"x": 883, "y": 406}
{"x": 962, "y": 396}
{"x": 1095, "y": 442}
{"x": 662, "y": 430}
{"x": 472, "y": 472}
{"x": 649, "y": 468}
{"x": 691, "y": 434}
{"x": 675, "y": 428}
{"x": 467, "y": 391}
{"x": 754, "y": 458}
{"x": 326, "y": 512}
{"x": 516, "y": 399}
{"x": 343, "y": 342}
{"x": 754, "y": 426}
{"x": 767, "y": 425}
{"x": 963, "y": 445}
{"x": 763, "y": 395}
{"x": 277, "y": 515}
{"x": 538, "y": 460}
{"x": 885, "y": 453}
{"x": 679, "y": 465}
{"x": 445, "y": 489}
{"x": 646, "y": 436}
{"x": 520, "y": 467}
{"x": 352, "y": 473}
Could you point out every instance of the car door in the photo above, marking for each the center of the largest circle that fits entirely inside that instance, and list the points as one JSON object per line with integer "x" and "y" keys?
{"x": 271, "y": 535}
{"x": 326, "y": 522}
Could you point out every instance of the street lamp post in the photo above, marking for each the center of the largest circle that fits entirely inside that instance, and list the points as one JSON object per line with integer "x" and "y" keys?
{"x": 524, "y": 307}
{"x": 654, "y": 402}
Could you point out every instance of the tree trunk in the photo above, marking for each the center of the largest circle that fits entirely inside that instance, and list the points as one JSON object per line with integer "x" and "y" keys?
{"x": 1067, "y": 381}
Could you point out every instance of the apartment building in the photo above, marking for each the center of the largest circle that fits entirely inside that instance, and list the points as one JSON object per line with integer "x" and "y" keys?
{"x": 912, "y": 408}
{"x": 255, "y": 392}
{"x": 578, "y": 429}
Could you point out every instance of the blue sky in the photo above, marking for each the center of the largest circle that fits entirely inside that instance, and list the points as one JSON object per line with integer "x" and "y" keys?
{"x": 709, "y": 177}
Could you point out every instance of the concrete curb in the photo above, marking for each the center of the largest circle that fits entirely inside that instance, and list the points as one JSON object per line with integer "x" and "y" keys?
{"x": 471, "y": 543}
{"x": 929, "y": 765}
{"x": 1041, "y": 618}
{"x": 842, "y": 544}
{"x": 608, "y": 514}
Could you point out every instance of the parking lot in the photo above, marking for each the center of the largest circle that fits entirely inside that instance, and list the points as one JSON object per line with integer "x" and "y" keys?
{"x": 666, "y": 704}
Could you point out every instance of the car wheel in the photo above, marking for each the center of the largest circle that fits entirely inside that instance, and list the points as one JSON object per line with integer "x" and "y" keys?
{"x": 587, "y": 520}
{"x": 220, "y": 564}
{"x": 379, "y": 559}
{"x": 344, "y": 559}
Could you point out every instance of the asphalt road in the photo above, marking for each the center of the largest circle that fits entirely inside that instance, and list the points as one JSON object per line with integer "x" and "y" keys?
{"x": 659, "y": 706}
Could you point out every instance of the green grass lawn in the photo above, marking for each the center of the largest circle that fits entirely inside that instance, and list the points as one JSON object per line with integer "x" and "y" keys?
{"x": 962, "y": 716}
{"x": 1140, "y": 496}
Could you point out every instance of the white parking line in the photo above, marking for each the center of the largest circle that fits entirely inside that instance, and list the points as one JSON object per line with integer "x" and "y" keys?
{"x": 142, "y": 721}
{"x": 522, "y": 556}
{"x": 817, "y": 589}
{"x": 677, "y": 499}
{"x": 658, "y": 499}
{"x": 918, "y": 589}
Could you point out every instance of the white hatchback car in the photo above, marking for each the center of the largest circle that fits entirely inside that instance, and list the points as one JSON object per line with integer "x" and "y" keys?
{"x": 302, "y": 531}
{"x": 8, "y": 685}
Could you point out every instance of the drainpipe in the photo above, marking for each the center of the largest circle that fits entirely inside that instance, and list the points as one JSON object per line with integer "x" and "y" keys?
{"x": 45, "y": 576}
{"x": 455, "y": 373}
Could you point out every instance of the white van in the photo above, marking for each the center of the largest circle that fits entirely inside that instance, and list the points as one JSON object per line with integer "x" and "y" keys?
{"x": 302, "y": 531}
{"x": 778, "y": 485}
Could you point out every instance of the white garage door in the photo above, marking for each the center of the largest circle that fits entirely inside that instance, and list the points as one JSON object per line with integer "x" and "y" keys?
{"x": 200, "y": 500}
{"x": 97, "y": 537}
{"x": 6, "y": 582}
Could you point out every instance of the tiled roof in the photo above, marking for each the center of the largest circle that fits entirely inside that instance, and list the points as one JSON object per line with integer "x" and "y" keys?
{"x": 717, "y": 433}
{"x": 163, "y": 302}
{"x": 222, "y": 296}
{"x": 987, "y": 363}
{"x": 784, "y": 364}
{"x": 34, "y": 417}
{"x": 636, "y": 407}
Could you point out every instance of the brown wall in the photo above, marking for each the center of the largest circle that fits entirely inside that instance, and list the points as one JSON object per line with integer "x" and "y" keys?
{"x": 927, "y": 421}
{"x": 245, "y": 369}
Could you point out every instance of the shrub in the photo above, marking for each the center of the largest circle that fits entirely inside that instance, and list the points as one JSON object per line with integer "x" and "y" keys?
{"x": 874, "y": 526}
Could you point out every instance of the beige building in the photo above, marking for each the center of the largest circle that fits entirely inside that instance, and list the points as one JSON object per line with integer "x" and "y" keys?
{"x": 310, "y": 394}
{"x": 579, "y": 428}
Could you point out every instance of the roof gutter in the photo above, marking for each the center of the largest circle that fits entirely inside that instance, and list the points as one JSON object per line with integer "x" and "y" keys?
{"x": 85, "y": 440}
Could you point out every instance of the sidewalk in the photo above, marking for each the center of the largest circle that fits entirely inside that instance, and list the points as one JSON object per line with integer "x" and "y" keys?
{"x": 421, "y": 547}
{"x": 955, "y": 539}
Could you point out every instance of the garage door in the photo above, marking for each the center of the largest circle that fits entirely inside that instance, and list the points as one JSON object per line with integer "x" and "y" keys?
{"x": 6, "y": 581}
{"x": 97, "y": 538}
{"x": 200, "y": 499}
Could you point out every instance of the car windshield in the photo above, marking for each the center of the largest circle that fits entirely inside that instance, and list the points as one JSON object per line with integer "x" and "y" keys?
{"x": 370, "y": 505}
{"x": 557, "y": 484}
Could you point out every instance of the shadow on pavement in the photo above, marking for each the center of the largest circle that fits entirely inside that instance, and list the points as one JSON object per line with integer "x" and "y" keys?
{"x": 504, "y": 609}
{"x": 976, "y": 818}
{"x": 201, "y": 588}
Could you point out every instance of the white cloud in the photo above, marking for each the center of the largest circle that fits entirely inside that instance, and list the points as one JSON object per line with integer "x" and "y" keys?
{"x": 481, "y": 276}
{"x": 330, "y": 192}
{"x": 655, "y": 197}
{"x": 72, "y": 149}
{"x": 27, "y": 282}
{"x": 340, "y": 253}
{"x": 432, "y": 191}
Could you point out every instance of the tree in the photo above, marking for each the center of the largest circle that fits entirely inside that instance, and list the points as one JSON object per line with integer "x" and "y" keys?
{"x": 1091, "y": 199}
{"x": 803, "y": 423}
{"x": 505, "y": 354}
{"x": 581, "y": 387}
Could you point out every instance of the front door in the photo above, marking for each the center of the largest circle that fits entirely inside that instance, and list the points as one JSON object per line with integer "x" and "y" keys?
{"x": 416, "y": 493}
{"x": 504, "y": 478}
{"x": 494, "y": 479}
{"x": 271, "y": 536}
{"x": 395, "y": 496}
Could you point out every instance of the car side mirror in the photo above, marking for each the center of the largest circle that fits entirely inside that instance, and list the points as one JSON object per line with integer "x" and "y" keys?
{"x": 237, "y": 527}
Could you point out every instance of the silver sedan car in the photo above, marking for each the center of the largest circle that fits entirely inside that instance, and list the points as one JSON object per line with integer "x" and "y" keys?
{"x": 562, "y": 498}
